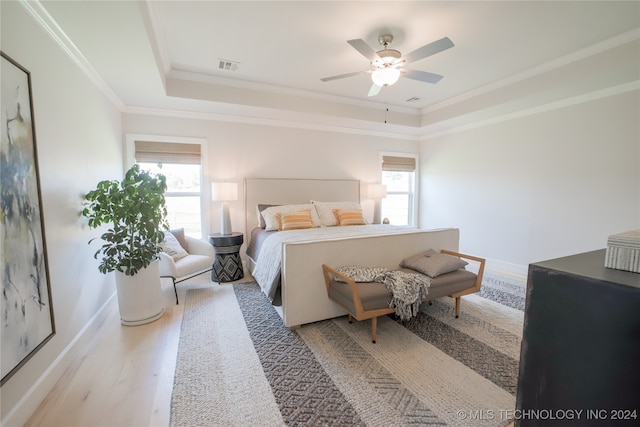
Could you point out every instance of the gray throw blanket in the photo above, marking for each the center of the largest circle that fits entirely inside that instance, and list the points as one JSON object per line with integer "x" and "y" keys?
{"x": 408, "y": 289}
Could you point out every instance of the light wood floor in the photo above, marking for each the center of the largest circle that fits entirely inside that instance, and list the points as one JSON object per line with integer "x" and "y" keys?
{"x": 125, "y": 376}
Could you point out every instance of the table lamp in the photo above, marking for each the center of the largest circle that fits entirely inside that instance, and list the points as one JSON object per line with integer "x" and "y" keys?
{"x": 377, "y": 192}
{"x": 224, "y": 192}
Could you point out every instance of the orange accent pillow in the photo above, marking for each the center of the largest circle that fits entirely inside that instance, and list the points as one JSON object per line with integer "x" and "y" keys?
{"x": 295, "y": 220}
{"x": 349, "y": 217}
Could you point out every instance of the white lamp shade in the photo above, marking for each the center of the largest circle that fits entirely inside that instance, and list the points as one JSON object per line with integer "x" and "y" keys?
{"x": 224, "y": 191}
{"x": 385, "y": 76}
{"x": 377, "y": 191}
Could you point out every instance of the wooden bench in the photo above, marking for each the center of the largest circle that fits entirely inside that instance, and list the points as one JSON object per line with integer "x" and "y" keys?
{"x": 369, "y": 300}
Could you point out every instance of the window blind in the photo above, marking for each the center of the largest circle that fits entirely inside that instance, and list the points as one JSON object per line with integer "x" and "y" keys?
{"x": 167, "y": 152}
{"x": 398, "y": 164}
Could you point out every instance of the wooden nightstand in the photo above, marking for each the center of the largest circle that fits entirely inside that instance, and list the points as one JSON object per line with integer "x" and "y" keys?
{"x": 227, "y": 265}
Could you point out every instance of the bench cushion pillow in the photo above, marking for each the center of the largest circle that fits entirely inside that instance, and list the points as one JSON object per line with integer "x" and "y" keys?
{"x": 433, "y": 263}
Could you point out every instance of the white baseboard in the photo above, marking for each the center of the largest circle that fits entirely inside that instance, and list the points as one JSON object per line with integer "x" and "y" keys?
{"x": 30, "y": 401}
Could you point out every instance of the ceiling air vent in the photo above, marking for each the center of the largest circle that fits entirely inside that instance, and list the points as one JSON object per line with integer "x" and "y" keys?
{"x": 413, "y": 99}
{"x": 225, "y": 64}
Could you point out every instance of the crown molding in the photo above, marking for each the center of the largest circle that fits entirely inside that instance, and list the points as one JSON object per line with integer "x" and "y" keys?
{"x": 156, "y": 35}
{"x": 436, "y": 131}
{"x": 592, "y": 50}
{"x": 394, "y": 132}
{"x": 51, "y": 27}
{"x": 281, "y": 90}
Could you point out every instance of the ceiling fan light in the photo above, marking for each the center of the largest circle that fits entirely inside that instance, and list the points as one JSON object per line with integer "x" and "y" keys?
{"x": 385, "y": 76}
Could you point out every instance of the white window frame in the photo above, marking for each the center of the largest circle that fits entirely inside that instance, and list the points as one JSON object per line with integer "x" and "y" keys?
{"x": 205, "y": 189}
{"x": 413, "y": 196}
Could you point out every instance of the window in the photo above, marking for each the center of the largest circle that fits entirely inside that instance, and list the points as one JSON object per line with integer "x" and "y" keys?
{"x": 181, "y": 165}
{"x": 398, "y": 174}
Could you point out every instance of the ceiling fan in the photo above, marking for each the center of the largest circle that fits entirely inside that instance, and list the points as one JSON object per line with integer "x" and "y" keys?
{"x": 386, "y": 64}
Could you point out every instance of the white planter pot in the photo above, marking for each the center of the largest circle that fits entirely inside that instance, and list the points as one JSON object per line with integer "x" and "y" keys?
{"x": 140, "y": 297}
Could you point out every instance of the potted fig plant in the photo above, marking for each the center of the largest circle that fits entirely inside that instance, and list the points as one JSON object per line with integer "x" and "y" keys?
{"x": 135, "y": 211}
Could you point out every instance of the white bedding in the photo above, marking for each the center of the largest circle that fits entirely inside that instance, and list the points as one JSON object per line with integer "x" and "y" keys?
{"x": 268, "y": 267}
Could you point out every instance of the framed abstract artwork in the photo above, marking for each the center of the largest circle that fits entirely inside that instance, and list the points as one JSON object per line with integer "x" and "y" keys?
{"x": 27, "y": 310}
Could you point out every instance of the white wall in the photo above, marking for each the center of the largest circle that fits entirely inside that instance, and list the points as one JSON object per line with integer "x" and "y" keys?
{"x": 538, "y": 187}
{"x": 78, "y": 135}
{"x": 239, "y": 150}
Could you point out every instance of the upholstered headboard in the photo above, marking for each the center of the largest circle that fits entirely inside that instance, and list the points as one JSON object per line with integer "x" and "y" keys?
{"x": 283, "y": 191}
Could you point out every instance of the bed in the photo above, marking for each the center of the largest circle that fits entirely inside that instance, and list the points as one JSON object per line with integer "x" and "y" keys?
{"x": 298, "y": 284}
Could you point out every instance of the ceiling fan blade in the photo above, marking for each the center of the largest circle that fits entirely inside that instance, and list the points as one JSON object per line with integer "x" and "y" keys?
{"x": 429, "y": 49}
{"x": 375, "y": 89}
{"x": 343, "y": 76}
{"x": 366, "y": 50}
{"x": 422, "y": 76}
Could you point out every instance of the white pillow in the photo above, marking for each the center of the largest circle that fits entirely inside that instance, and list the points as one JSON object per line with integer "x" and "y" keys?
{"x": 325, "y": 211}
{"x": 172, "y": 247}
{"x": 271, "y": 218}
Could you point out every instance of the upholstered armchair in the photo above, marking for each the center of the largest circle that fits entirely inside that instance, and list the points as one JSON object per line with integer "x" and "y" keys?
{"x": 184, "y": 257}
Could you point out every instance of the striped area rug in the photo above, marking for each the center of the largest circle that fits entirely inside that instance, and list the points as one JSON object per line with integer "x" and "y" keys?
{"x": 238, "y": 365}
